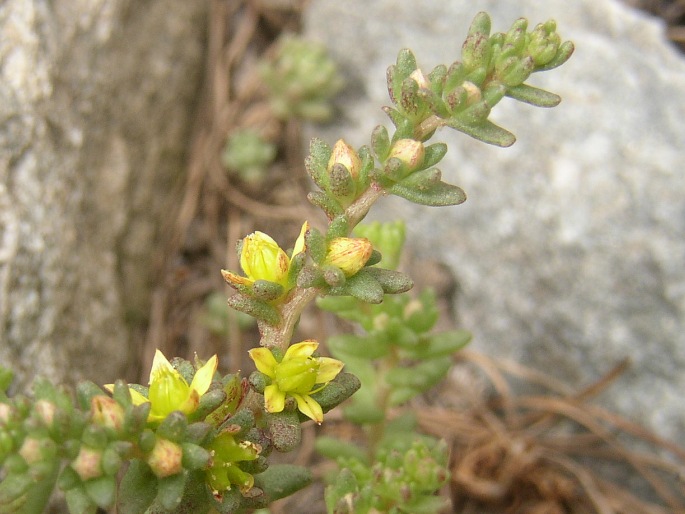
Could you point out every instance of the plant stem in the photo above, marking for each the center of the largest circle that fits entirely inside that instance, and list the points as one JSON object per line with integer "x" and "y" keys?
{"x": 376, "y": 432}
{"x": 428, "y": 126}
{"x": 360, "y": 208}
{"x": 281, "y": 336}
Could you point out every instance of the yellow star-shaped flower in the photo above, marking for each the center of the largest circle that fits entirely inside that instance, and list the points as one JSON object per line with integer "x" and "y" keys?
{"x": 298, "y": 375}
{"x": 169, "y": 391}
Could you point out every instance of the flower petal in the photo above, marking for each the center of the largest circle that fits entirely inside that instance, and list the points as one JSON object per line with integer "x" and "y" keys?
{"x": 309, "y": 407}
{"x": 160, "y": 365}
{"x": 264, "y": 360}
{"x": 274, "y": 398}
{"x": 236, "y": 280}
{"x": 328, "y": 369}
{"x": 203, "y": 376}
{"x": 299, "y": 244}
{"x": 136, "y": 397}
{"x": 301, "y": 350}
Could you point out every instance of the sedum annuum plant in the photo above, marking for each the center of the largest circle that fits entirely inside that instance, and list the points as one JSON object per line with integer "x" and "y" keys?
{"x": 195, "y": 440}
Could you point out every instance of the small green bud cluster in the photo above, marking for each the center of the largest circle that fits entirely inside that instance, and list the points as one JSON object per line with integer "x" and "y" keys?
{"x": 210, "y": 457}
{"x": 248, "y": 155}
{"x": 302, "y": 79}
{"x": 400, "y": 480}
{"x": 462, "y": 95}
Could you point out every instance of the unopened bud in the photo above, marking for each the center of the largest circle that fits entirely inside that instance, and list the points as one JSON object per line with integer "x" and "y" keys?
{"x": 349, "y": 254}
{"x": 46, "y": 411}
{"x": 30, "y": 450}
{"x": 418, "y": 77}
{"x": 106, "y": 412}
{"x": 166, "y": 458}
{"x": 473, "y": 93}
{"x": 88, "y": 463}
{"x": 6, "y": 412}
{"x": 344, "y": 154}
{"x": 410, "y": 152}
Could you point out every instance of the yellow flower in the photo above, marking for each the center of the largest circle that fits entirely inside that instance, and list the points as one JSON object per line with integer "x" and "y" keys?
{"x": 298, "y": 375}
{"x": 262, "y": 259}
{"x": 169, "y": 391}
{"x": 350, "y": 254}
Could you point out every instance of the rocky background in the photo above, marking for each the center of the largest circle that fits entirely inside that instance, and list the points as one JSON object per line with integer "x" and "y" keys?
{"x": 96, "y": 104}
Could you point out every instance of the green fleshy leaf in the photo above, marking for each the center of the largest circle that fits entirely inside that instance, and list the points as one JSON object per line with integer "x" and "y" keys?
{"x": 333, "y": 449}
{"x": 437, "y": 78}
{"x": 402, "y": 395}
{"x": 563, "y": 54}
{"x": 337, "y": 391}
{"x": 170, "y": 491}
{"x": 345, "y": 484}
{"x": 320, "y": 153}
{"x": 211, "y": 401}
{"x": 370, "y": 346}
{"x": 281, "y": 480}
{"x": 438, "y": 195}
{"x": 85, "y": 392}
{"x": 266, "y": 291}
{"x": 79, "y": 502}
{"x": 380, "y": 142}
{"x": 443, "y": 344}
{"x": 392, "y": 282}
{"x": 456, "y": 74}
{"x": 137, "y": 489}
{"x": 285, "y": 429}
{"x": 533, "y": 95}
{"x": 362, "y": 286}
{"x": 241, "y": 422}
{"x": 194, "y": 456}
{"x": 404, "y": 128}
{"x": 173, "y": 427}
{"x": 315, "y": 242}
{"x": 255, "y": 308}
{"x": 435, "y": 104}
{"x": 409, "y": 99}
{"x": 433, "y": 154}
{"x": 476, "y": 49}
{"x": 421, "y": 376}
{"x": 485, "y": 131}
{"x": 338, "y": 227}
{"x": 101, "y": 491}
{"x": 198, "y": 432}
{"x": 406, "y": 63}
{"x": 326, "y": 203}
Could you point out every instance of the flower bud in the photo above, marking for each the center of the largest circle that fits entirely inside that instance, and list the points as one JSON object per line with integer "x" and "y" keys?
{"x": 88, "y": 463}
{"x": 30, "y": 450}
{"x": 420, "y": 79}
{"x": 46, "y": 412}
{"x": 473, "y": 93}
{"x": 165, "y": 459}
{"x": 6, "y": 413}
{"x": 410, "y": 152}
{"x": 344, "y": 154}
{"x": 349, "y": 254}
{"x": 106, "y": 412}
{"x": 262, "y": 259}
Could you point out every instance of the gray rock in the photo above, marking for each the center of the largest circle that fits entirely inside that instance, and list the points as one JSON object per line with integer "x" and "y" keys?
{"x": 95, "y": 99}
{"x": 570, "y": 249}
